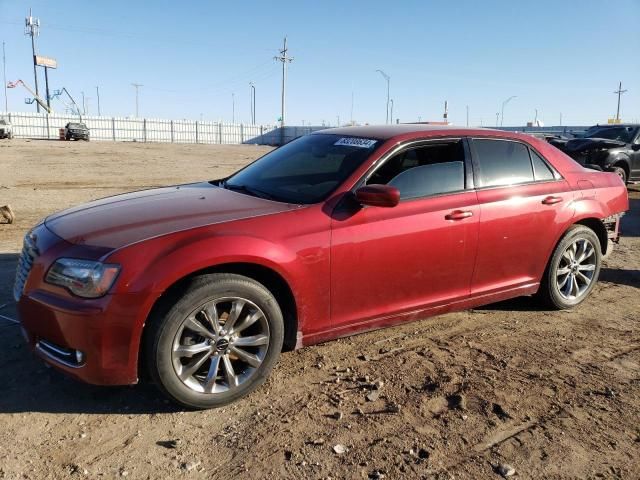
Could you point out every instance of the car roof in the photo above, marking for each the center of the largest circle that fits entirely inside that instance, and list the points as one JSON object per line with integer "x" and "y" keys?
{"x": 386, "y": 132}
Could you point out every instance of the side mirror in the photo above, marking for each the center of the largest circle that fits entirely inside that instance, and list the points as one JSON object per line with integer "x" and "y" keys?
{"x": 378, "y": 196}
{"x": 635, "y": 147}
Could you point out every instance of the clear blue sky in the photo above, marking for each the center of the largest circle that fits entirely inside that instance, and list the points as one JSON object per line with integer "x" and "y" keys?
{"x": 556, "y": 56}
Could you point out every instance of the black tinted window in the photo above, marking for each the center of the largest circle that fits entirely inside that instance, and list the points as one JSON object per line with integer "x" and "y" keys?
{"x": 431, "y": 169}
{"x": 540, "y": 169}
{"x": 305, "y": 170}
{"x": 502, "y": 162}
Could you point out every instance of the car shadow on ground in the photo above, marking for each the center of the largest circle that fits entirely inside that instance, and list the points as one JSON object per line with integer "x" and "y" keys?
{"x": 620, "y": 276}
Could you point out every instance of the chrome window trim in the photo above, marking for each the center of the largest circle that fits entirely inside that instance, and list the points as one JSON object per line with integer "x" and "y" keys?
{"x": 412, "y": 144}
{"x": 476, "y": 165}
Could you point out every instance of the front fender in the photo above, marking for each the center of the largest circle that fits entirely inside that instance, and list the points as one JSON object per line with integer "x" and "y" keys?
{"x": 155, "y": 265}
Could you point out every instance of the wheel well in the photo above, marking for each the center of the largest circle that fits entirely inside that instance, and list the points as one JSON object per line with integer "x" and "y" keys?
{"x": 599, "y": 229}
{"x": 267, "y": 277}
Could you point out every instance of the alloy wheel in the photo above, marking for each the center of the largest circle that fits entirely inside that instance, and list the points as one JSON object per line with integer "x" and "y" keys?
{"x": 576, "y": 269}
{"x": 220, "y": 345}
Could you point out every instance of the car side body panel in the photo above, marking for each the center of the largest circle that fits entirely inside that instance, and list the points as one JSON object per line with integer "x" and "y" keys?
{"x": 441, "y": 265}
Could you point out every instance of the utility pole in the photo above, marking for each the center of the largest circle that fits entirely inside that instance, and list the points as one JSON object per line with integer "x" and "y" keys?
{"x": 32, "y": 28}
{"x": 503, "y": 104}
{"x": 84, "y": 105}
{"x": 391, "y": 110}
{"x": 98, "y": 98}
{"x": 467, "y": 115}
{"x": 4, "y": 79}
{"x": 619, "y": 92}
{"x": 560, "y": 118}
{"x": 137, "y": 87}
{"x": 388, "y": 79}
{"x": 497, "y": 118}
{"x": 284, "y": 58}
{"x": 252, "y": 93}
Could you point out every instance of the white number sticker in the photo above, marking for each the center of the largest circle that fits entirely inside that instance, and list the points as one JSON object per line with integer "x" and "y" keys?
{"x": 356, "y": 142}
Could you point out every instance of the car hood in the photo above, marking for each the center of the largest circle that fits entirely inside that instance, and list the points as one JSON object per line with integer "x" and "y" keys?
{"x": 117, "y": 221}
{"x": 583, "y": 144}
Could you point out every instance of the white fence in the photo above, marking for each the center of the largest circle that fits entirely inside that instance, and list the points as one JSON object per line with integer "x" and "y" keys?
{"x": 118, "y": 129}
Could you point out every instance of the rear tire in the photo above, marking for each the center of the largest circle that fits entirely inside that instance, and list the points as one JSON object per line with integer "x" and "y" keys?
{"x": 621, "y": 172}
{"x": 573, "y": 269}
{"x": 216, "y": 342}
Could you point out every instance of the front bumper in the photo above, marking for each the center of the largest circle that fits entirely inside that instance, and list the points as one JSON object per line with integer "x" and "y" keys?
{"x": 95, "y": 341}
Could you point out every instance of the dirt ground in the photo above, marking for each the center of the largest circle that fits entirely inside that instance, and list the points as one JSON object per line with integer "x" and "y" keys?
{"x": 553, "y": 394}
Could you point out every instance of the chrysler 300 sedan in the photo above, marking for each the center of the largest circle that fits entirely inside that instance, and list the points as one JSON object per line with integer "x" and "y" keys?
{"x": 199, "y": 287}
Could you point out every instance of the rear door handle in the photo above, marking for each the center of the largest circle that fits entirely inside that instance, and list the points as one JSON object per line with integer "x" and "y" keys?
{"x": 551, "y": 200}
{"x": 458, "y": 215}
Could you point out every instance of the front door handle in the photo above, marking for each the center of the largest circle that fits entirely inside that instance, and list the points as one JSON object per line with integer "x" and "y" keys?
{"x": 551, "y": 200}
{"x": 458, "y": 215}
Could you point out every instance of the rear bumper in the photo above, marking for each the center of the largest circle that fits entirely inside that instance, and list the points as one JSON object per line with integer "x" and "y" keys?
{"x": 95, "y": 341}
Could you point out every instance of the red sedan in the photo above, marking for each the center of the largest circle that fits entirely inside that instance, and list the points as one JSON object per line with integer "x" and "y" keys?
{"x": 337, "y": 232}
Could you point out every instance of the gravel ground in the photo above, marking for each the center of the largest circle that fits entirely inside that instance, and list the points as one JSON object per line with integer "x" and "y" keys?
{"x": 476, "y": 394}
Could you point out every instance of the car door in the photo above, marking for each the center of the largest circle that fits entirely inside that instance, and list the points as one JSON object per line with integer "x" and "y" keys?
{"x": 523, "y": 205}
{"x": 417, "y": 254}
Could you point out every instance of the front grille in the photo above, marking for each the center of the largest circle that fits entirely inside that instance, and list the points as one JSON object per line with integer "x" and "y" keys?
{"x": 25, "y": 262}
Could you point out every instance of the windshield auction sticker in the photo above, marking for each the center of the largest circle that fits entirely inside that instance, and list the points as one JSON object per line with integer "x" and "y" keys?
{"x": 356, "y": 142}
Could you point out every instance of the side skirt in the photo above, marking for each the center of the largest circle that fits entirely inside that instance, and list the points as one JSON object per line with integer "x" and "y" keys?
{"x": 405, "y": 317}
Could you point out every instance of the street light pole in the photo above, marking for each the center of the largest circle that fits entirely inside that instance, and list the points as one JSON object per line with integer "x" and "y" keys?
{"x": 503, "y": 104}
{"x": 391, "y": 110}
{"x": 4, "y": 79}
{"x": 98, "y": 97}
{"x": 252, "y": 93}
{"x": 388, "y": 79}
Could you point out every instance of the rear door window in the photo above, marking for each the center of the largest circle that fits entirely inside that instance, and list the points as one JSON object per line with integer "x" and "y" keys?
{"x": 502, "y": 162}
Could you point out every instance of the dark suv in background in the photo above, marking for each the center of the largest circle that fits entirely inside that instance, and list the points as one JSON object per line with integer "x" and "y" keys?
{"x": 613, "y": 148}
{"x": 76, "y": 131}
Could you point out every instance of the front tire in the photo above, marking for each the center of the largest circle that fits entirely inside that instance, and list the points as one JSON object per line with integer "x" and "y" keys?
{"x": 573, "y": 269}
{"x": 217, "y": 343}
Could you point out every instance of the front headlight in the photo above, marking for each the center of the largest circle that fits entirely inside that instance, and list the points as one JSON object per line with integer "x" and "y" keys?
{"x": 84, "y": 278}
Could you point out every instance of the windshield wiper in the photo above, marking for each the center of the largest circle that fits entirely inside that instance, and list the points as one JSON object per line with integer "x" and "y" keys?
{"x": 249, "y": 190}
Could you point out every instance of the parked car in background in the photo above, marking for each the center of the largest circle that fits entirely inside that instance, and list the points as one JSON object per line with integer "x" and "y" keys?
{"x": 612, "y": 148}
{"x": 76, "y": 131}
{"x": 6, "y": 129}
{"x": 338, "y": 232}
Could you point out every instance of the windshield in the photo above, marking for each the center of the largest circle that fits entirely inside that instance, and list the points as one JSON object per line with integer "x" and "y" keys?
{"x": 306, "y": 170}
{"x": 77, "y": 125}
{"x": 623, "y": 134}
